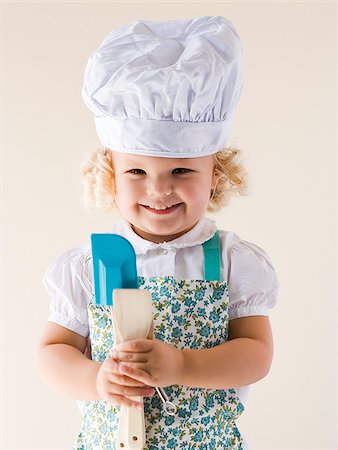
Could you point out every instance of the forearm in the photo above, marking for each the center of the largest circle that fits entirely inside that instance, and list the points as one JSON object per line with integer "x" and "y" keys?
{"x": 235, "y": 363}
{"x": 66, "y": 369}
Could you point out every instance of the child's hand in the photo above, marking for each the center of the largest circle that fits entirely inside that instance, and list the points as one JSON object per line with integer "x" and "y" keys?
{"x": 113, "y": 386}
{"x": 150, "y": 361}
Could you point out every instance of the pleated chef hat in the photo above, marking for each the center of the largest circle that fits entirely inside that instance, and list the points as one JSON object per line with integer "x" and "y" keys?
{"x": 166, "y": 88}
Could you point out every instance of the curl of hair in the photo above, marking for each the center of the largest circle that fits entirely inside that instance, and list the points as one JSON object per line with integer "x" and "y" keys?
{"x": 97, "y": 179}
{"x": 233, "y": 178}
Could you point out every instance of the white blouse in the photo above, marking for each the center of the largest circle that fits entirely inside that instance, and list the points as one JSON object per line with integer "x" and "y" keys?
{"x": 251, "y": 278}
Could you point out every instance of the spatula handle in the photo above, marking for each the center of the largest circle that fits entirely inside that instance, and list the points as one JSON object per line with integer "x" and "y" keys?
{"x": 131, "y": 324}
{"x": 131, "y": 429}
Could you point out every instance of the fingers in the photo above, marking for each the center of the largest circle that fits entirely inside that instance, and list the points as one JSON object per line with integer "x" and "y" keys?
{"x": 117, "y": 388}
{"x": 136, "y": 345}
{"x": 113, "y": 374}
{"x": 119, "y": 355}
{"x": 120, "y": 400}
{"x": 113, "y": 389}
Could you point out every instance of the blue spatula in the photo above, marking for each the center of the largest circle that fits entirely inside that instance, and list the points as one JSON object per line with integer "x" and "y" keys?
{"x": 114, "y": 262}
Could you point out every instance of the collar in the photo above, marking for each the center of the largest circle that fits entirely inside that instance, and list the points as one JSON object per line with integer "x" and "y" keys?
{"x": 201, "y": 232}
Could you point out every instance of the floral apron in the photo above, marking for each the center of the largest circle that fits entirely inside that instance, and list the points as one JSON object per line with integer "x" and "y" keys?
{"x": 188, "y": 314}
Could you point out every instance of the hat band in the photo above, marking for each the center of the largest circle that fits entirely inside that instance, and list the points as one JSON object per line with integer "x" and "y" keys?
{"x": 166, "y": 138}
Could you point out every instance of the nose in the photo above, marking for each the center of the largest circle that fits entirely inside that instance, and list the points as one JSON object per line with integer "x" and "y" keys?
{"x": 159, "y": 187}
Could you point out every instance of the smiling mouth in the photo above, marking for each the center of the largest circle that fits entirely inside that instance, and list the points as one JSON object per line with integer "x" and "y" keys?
{"x": 162, "y": 209}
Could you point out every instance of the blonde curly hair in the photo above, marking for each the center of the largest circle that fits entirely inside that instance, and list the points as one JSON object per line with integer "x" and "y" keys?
{"x": 97, "y": 179}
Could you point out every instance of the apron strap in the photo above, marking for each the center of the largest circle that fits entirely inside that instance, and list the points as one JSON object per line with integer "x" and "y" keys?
{"x": 212, "y": 258}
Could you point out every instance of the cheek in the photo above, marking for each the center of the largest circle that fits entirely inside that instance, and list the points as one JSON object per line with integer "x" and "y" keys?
{"x": 127, "y": 193}
{"x": 198, "y": 190}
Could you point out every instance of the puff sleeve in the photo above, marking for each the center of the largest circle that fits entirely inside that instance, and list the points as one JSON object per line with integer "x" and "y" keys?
{"x": 253, "y": 282}
{"x": 69, "y": 296}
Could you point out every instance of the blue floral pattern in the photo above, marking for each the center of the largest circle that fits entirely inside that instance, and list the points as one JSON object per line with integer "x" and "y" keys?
{"x": 188, "y": 314}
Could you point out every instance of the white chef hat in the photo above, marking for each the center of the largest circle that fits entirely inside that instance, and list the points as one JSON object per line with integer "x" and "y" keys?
{"x": 166, "y": 88}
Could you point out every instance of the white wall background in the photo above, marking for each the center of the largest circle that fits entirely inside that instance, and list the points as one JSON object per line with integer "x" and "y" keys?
{"x": 285, "y": 125}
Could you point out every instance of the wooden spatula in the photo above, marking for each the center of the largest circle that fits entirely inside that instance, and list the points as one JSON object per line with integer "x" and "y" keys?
{"x": 132, "y": 319}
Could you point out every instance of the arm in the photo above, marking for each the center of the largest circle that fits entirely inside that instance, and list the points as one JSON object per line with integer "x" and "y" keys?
{"x": 244, "y": 359}
{"x": 62, "y": 365}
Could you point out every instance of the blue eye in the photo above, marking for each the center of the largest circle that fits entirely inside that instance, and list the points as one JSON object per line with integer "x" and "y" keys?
{"x": 181, "y": 170}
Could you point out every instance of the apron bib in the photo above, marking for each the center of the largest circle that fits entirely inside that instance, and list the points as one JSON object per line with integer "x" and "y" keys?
{"x": 189, "y": 314}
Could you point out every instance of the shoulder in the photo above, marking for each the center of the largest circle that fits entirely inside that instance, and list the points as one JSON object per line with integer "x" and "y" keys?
{"x": 70, "y": 259}
{"x": 251, "y": 276}
{"x": 246, "y": 255}
{"x": 72, "y": 268}
{"x": 68, "y": 273}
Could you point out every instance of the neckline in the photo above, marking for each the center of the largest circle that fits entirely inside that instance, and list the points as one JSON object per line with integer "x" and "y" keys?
{"x": 201, "y": 232}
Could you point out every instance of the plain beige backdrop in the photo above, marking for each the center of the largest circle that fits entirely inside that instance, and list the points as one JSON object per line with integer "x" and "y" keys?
{"x": 285, "y": 125}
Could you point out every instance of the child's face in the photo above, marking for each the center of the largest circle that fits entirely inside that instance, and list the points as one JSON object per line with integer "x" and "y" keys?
{"x": 145, "y": 182}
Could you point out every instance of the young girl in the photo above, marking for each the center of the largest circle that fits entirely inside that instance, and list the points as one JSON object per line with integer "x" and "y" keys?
{"x": 163, "y": 94}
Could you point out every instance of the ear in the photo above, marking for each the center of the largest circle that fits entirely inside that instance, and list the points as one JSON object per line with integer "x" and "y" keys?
{"x": 217, "y": 174}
